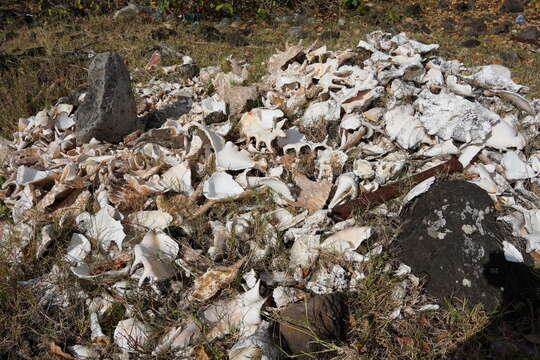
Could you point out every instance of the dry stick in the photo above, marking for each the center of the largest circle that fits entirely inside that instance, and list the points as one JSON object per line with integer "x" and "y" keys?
{"x": 367, "y": 200}
{"x": 209, "y": 204}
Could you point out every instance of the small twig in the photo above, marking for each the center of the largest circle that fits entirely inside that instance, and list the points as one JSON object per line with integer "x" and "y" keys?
{"x": 209, "y": 204}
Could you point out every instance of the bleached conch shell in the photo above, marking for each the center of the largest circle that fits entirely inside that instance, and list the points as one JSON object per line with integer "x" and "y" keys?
{"x": 46, "y": 240}
{"x": 103, "y": 228}
{"x": 304, "y": 251}
{"x": 297, "y": 142}
{"x": 329, "y": 161}
{"x": 321, "y": 111}
{"x": 79, "y": 247}
{"x": 220, "y": 235}
{"x": 515, "y": 168}
{"x": 441, "y": 149}
{"x": 178, "y": 178}
{"x": 403, "y": 127}
{"x": 283, "y": 296}
{"x": 519, "y": 101}
{"x": 262, "y": 125}
{"x": 213, "y": 104}
{"x": 257, "y": 346}
{"x": 363, "y": 169}
{"x": 131, "y": 335}
{"x": 221, "y": 186}
{"x": 208, "y": 285}
{"x": 179, "y": 338}
{"x": 360, "y": 100}
{"x": 84, "y": 352}
{"x": 511, "y": 253}
{"x": 242, "y": 314}
{"x": 468, "y": 153}
{"x": 452, "y": 117}
{"x": 346, "y": 187}
{"x": 97, "y": 307}
{"x": 456, "y": 88}
{"x": 27, "y": 175}
{"x": 504, "y": 135}
{"x": 152, "y": 220}
{"x": 347, "y": 241}
{"x": 418, "y": 190}
{"x": 387, "y": 168}
{"x": 495, "y": 77}
{"x": 280, "y": 60}
{"x": 155, "y": 252}
{"x": 230, "y": 158}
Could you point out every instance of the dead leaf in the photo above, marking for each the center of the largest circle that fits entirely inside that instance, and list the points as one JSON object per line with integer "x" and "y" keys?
{"x": 56, "y": 350}
{"x": 213, "y": 280}
{"x": 115, "y": 264}
{"x": 313, "y": 195}
{"x": 200, "y": 353}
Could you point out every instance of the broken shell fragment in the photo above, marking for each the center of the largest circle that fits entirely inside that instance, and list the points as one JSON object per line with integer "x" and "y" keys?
{"x": 347, "y": 241}
{"x": 131, "y": 335}
{"x": 153, "y": 220}
{"x": 346, "y": 187}
{"x": 208, "y": 285}
{"x": 221, "y": 186}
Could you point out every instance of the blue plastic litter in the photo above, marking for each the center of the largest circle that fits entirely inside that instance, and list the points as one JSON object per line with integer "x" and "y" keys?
{"x": 520, "y": 19}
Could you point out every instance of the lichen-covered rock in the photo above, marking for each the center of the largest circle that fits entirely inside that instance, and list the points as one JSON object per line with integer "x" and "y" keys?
{"x": 108, "y": 112}
{"x": 451, "y": 236}
{"x": 320, "y": 317}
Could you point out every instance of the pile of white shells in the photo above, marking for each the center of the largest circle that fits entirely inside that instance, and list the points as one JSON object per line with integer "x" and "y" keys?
{"x": 396, "y": 106}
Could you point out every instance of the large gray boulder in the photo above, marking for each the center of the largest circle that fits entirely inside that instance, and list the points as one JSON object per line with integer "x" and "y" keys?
{"x": 108, "y": 112}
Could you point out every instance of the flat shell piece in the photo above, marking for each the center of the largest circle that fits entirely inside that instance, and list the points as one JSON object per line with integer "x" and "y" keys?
{"x": 231, "y": 158}
{"x": 494, "y": 77}
{"x": 27, "y": 175}
{"x": 131, "y": 334}
{"x": 504, "y": 136}
{"x": 345, "y": 242}
{"x": 313, "y": 195}
{"x": 79, "y": 247}
{"x": 221, "y": 186}
{"x": 208, "y": 285}
{"x": 153, "y": 220}
{"x": 178, "y": 178}
{"x": 304, "y": 251}
{"x": 515, "y": 168}
{"x": 419, "y": 189}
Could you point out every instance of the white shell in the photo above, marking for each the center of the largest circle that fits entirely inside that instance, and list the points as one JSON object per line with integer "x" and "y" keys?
{"x": 103, "y": 228}
{"x": 495, "y": 77}
{"x": 511, "y": 253}
{"x": 304, "y": 251}
{"x": 458, "y": 89}
{"x": 131, "y": 334}
{"x": 403, "y": 127}
{"x": 79, "y": 247}
{"x": 155, "y": 252}
{"x": 221, "y": 186}
{"x": 178, "y": 178}
{"x": 231, "y": 158}
{"x": 262, "y": 125}
{"x": 515, "y": 168}
{"x": 152, "y": 220}
{"x": 346, "y": 242}
{"x": 504, "y": 135}
{"x": 419, "y": 189}
{"x": 346, "y": 186}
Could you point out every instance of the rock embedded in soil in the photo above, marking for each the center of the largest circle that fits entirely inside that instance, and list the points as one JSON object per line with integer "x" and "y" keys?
{"x": 450, "y": 236}
{"x": 470, "y": 43}
{"x": 108, "y": 112}
{"x": 513, "y": 6}
{"x": 529, "y": 34}
{"x": 320, "y": 317}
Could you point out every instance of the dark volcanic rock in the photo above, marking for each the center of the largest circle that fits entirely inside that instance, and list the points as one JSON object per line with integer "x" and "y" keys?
{"x": 108, "y": 112}
{"x": 512, "y": 6}
{"x": 474, "y": 27}
{"x": 503, "y": 27}
{"x": 330, "y": 34}
{"x": 321, "y": 316}
{"x": 450, "y": 236}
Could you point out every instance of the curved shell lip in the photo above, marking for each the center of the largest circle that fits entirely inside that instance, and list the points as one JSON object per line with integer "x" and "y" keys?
{"x": 221, "y": 186}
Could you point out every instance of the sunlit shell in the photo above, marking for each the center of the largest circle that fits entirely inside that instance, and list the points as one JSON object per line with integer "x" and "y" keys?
{"x": 131, "y": 335}
{"x": 208, "y": 285}
{"x": 346, "y": 187}
{"x": 103, "y": 228}
{"x": 156, "y": 253}
{"x": 262, "y": 126}
{"x": 402, "y": 126}
{"x": 494, "y": 77}
{"x": 221, "y": 186}
{"x": 347, "y": 241}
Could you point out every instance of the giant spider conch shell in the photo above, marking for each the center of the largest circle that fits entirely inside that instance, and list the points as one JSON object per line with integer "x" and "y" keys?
{"x": 403, "y": 127}
{"x": 296, "y": 141}
{"x": 103, "y": 228}
{"x": 495, "y": 77}
{"x": 178, "y": 178}
{"x": 221, "y": 186}
{"x": 242, "y": 313}
{"x": 321, "y": 111}
{"x": 458, "y": 89}
{"x": 519, "y": 101}
{"x": 346, "y": 186}
{"x": 347, "y": 241}
{"x": 131, "y": 334}
{"x": 153, "y": 220}
{"x": 504, "y": 135}
{"x": 208, "y": 285}
{"x": 155, "y": 252}
{"x": 328, "y": 161}
{"x": 261, "y": 124}
{"x": 387, "y": 168}
{"x": 97, "y": 307}
{"x": 452, "y": 117}
{"x": 515, "y": 168}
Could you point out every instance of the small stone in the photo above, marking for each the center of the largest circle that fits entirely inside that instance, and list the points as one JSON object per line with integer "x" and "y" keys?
{"x": 474, "y": 27}
{"x": 236, "y": 39}
{"x": 322, "y": 317}
{"x": 162, "y": 33}
{"x": 509, "y": 58}
{"x": 513, "y": 6}
{"x": 503, "y": 27}
{"x": 470, "y": 43}
{"x": 529, "y": 34}
{"x": 108, "y": 112}
{"x": 129, "y": 11}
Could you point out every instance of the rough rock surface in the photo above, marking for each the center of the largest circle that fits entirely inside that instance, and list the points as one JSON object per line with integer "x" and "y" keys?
{"x": 108, "y": 112}
{"x": 450, "y": 236}
{"x": 512, "y": 6}
{"x": 319, "y": 317}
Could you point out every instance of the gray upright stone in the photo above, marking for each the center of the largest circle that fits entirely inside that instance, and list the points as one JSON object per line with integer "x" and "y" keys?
{"x": 108, "y": 112}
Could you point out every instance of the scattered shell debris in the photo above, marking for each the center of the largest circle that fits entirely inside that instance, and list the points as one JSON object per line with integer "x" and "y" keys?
{"x": 391, "y": 108}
